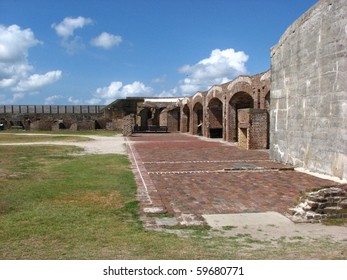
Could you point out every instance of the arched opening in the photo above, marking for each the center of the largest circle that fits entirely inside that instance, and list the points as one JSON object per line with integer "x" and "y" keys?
{"x": 240, "y": 100}
{"x": 145, "y": 114}
{"x": 215, "y": 118}
{"x": 198, "y": 121}
{"x": 185, "y": 119}
{"x": 61, "y": 125}
{"x": 173, "y": 120}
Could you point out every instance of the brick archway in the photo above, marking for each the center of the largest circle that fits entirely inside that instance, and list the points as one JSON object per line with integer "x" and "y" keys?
{"x": 215, "y": 118}
{"x": 185, "y": 119}
{"x": 198, "y": 120}
{"x": 240, "y": 100}
{"x": 145, "y": 114}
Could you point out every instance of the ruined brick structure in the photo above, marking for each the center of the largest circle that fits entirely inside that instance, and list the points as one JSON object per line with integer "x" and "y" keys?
{"x": 304, "y": 124}
{"x": 253, "y": 128}
{"x": 215, "y": 111}
{"x": 47, "y": 117}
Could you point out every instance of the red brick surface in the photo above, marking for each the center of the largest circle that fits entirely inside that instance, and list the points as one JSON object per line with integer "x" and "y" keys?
{"x": 187, "y": 174}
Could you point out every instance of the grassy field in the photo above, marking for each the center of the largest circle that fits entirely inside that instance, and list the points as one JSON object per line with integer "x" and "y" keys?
{"x": 56, "y": 206}
{"x": 20, "y": 138}
{"x": 64, "y": 132}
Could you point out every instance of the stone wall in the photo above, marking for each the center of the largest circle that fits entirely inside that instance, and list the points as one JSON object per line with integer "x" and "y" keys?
{"x": 309, "y": 91}
{"x": 128, "y": 125}
{"x": 315, "y": 206}
{"x": 52, "y": 117}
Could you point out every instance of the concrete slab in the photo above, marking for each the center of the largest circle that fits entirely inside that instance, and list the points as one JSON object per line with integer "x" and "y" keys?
{"x": 166, "y": 221}
{"x": 247, "y": 219}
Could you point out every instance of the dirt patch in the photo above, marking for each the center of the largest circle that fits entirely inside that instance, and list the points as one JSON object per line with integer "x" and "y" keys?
{"x": 97, "y": 145}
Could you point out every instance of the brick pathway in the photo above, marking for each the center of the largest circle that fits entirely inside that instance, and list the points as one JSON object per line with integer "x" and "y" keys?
{"x": 186, "y": 176}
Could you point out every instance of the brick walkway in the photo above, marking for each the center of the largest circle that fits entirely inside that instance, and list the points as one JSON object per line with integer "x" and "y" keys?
{"x": 186, "y": 176}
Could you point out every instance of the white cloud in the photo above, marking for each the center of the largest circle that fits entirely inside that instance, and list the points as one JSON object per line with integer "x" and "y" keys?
{"x": 67, "y": 27}
{"x": 94, "y": 101}
{"x": 75, "y": 101}
{"x": 15, "y": 70}
{"x": 50, "y": 100}
{"x": 14, "y": 99}
{"x": 220, "y": 67}
{"x": 170, "y": 93}
{"x": 36, "y": 81}
{"x": 15, "y": 43}
{"x": 14, "y": 46}
{"x": 159, "y": 80}
{"x": 73, "y": 46}
{"x": 106, "y": 40}
{"x": 117, "y": 90}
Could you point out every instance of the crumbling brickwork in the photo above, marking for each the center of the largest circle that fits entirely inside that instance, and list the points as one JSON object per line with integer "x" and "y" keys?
{"x": 128, "y": 125}
{"x": 214, "y": 113}
{"x": 46, "y": 117}
{"x": 315, "y": 206}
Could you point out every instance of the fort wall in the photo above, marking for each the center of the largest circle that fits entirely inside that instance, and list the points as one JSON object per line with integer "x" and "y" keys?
{"x": 308, "y": 116}
{"x": 52, "y": 117}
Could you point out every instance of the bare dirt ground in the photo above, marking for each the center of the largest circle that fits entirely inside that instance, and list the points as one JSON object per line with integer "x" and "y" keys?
{"x": 262, "y": 226}
{"x": 97, "y": 145}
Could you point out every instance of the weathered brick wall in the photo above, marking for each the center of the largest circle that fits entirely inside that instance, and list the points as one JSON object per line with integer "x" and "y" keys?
{"x": 163, "y": 118}
{"x": 47, "y": 117}
{"x": 128, "y": 125}
{"x": 258, "y": 136}
{"x": 252, "y": 128}
{"x": 243, "y": 92}
{"x": 315, "y": 206}
{"x": 215, "y": 114}
{"x": 173, "y": 120}
{"x": 309, "y": 91}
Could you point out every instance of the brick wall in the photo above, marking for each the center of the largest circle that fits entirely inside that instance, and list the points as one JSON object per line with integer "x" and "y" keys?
{"x": 253, "y": 128}
{"x": 173, "y": 120}
{"x": 128, "y": 125}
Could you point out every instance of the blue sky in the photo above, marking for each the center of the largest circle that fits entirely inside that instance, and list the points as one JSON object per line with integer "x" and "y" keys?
{"x": 93, "y": 52}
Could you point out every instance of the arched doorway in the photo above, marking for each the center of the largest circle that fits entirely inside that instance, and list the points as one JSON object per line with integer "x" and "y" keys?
{"x": 215, "y": 118}
{"x": 198, "y": 121}
{"x": 240, "y": 100}
{"x": 145, "y": 114}
{"x": 185, "y": 119}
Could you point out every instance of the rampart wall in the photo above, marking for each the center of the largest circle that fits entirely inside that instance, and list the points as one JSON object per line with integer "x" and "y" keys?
{"x": 309, "y": 91}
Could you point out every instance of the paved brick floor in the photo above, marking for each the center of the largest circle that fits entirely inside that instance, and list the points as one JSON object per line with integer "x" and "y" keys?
{"x": 186, "y": 175}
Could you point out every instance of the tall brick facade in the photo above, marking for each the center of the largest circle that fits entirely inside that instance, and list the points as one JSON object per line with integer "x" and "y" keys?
{"x": 214, "y": 113}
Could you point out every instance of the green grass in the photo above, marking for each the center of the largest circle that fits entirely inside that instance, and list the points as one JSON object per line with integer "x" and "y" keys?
{"x": 56, "y": 206}
{"x": 82, "y": 133}
{"x": 20, "y": 138}
{"x": 229, "y": 227}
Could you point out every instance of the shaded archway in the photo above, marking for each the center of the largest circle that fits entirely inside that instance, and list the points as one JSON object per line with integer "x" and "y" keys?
{"x": 240, "y": 100}
{"x": 185, "y": 119}
{"x": 145, "y": 114}
{"x": 215, "y": 118}
{"x": 198, "y": 121}
{"x": 173, "y": 119}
